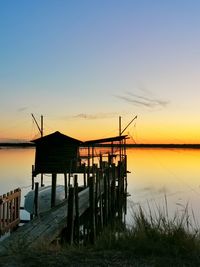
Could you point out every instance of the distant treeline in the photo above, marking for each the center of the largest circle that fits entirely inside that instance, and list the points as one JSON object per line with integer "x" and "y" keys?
{"x": 17, "y": 144}
{"x": 197, "y": 146}
{"x": 193, "y": 146}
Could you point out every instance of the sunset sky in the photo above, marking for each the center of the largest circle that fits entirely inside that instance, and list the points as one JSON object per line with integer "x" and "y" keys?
{"x": 83, "y": 63}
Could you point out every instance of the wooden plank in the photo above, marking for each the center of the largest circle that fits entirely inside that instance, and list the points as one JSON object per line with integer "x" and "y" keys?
{"x": 47, "y": 226}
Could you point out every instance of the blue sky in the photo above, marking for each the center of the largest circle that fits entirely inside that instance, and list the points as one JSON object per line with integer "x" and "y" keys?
{"x": 83, "y": 63}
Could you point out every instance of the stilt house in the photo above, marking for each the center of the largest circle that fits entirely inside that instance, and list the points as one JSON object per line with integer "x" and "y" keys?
{"x": 56, "y": 153}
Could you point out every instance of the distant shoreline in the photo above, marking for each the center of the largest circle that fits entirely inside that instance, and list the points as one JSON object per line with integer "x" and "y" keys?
{"x": 182, "y": 146}
{"x": 17, "y": 145}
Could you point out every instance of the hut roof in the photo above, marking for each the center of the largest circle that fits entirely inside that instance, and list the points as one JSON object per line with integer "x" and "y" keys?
{"x": 106, "y": 140}
{"x": 56, "y": 137}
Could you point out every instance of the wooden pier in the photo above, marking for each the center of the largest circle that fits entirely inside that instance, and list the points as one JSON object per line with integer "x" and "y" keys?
{"x": 42, "y": 230}
{"x": 87, "y": 209}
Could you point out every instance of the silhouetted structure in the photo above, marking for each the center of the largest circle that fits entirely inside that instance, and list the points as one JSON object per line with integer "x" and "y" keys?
{"x": 56, "y": 153}
{"x": 95, "y": 189}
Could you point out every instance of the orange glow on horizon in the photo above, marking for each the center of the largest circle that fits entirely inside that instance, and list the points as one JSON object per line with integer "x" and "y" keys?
{"x": 144, "y": 132}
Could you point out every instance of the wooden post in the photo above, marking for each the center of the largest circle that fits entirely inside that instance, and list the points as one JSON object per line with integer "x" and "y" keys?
{"x": 126, "y": 185}
{"x": 65, "y": 184}
{"x": 1, "y": 215}
{"x": 108, "y": 174}
{"x": 100, "y": 161}
{"x": 113, "y": 190}
{"x": 32, "y": 177}
{"x": 77, "y": 221}
{"x": 92, "y": 156}
{"x": 96, "y": 198}
{"x": 36, "y": 199}
{"x": 120, "y": 199}
{"x": 92, "y": 211}
{"x": 18, "y": 199}
{"x": 7, "y": 212}
{"x": 69, "y": 179}
{"x": 42, "y": 183}
{"x": 100, "y": 200}
{"x": 105, "y": 207}
{"x": 70, "y": 216}
{"x": 53, "y": 190}
{"x": 109, "y": 159}
{"x": 84, "y": 176}
{"x": 4, "y": 212}
{"x": 88, "y": 165}
{"x": 10, "y": 217}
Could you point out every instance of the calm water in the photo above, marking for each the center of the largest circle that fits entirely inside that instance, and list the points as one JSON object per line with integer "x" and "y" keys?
{"x": 155, "y": 173}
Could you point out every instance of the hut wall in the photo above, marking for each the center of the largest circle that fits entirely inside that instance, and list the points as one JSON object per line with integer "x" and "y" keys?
{"x": 56, "y": 158}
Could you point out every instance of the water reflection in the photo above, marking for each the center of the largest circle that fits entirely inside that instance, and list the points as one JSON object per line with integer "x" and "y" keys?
{"x": 15, "y": 168}
{"x": 155, "y": 173}
{"x": 159, "y": 173}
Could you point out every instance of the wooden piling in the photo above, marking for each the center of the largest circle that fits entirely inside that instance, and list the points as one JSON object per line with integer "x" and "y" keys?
{"x": 7, "y": 210}
{"x": 70, "y": 217}
{"x": 32, "y": 186}
{"x": 36, "y": 206}
{"x": 4, "y": 213}
{"x": 53, "y": 190}
{"x": 88, "y": 165}
{"x": 113, "y": 190}
{"x": 100, "y": 201}
{"x": 120, "y": 193}
{"x": 100, "y": 161}
{"x": 42, "y": 178}
{"x": 77, "y": 219}
{"x": 105, "y": 200}
{"x": 69, "y": 179}
{"x": 65, "y": 184}
{"x": 96, "y": 200}
{"x": 108, "y": 177}
{"x": 92, "y": 211}
{"x": 84, "y": 176}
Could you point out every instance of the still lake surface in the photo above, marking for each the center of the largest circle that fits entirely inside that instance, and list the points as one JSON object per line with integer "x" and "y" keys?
{"x": 156, "y": 175}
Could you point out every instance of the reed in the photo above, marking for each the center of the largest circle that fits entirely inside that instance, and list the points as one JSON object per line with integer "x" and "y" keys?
{"x": 154, "y": 234}
{"x": 154, "y": 239}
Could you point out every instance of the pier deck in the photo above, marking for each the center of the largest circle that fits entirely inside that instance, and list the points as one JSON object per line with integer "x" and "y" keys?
{"x": 43, "y": 229}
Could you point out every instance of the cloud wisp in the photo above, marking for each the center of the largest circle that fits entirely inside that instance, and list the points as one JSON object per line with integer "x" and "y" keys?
{"x": 92, "y": 116}
{"x": 144, "y": 101}
{"x": 21, "y": 109}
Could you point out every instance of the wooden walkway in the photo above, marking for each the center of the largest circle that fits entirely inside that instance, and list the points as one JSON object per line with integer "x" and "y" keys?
{"x": 43, "y": 229}
{"x": 104, "y": 198}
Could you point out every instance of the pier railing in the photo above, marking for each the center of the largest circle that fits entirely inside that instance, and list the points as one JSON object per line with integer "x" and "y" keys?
{"x": 9, "y": 211}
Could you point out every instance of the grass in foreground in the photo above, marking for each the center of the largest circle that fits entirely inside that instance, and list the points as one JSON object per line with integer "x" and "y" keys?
{"x": 172, "y": 242}
{"x": 153, "y": 240}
